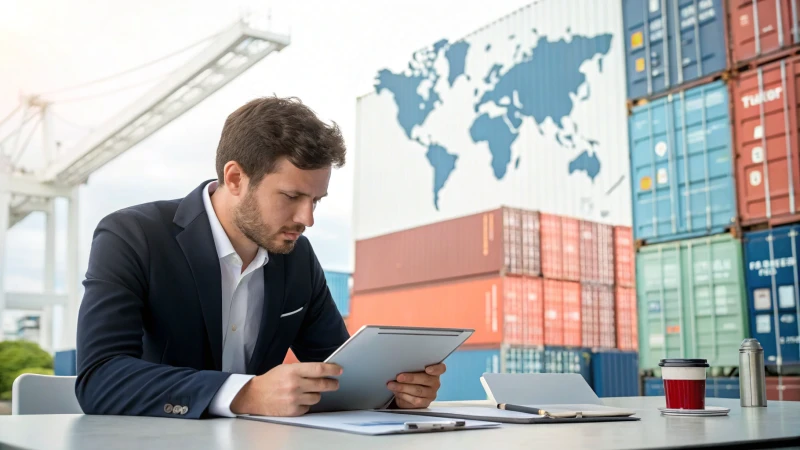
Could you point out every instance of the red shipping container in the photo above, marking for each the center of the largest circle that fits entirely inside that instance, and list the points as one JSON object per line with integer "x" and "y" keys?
{"x": 562, "y": 313}
{"x": 761, "y": 27}
{"x": 477, "y": 303}
{"x": 627, "y": 325}
{"x": 502, "y": 241}
{"x": 523, "y": 317}
{"x": 785, "y": 388}
{"x": 560, "y": 247}
{"x": 597, "y": 253}
{"x": 624, "y": 263}
{"x": 767, "y": 157}
{"x": 598, "y": 316}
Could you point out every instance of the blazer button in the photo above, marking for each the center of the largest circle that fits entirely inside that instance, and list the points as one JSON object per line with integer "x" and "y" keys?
{"x": 176, "y": 409}
{"x": 168, "y": 408}
{"x": 184, "y": 410}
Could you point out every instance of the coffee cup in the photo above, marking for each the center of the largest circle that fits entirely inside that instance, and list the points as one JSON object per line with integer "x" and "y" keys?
{"x": 684, "y": 382}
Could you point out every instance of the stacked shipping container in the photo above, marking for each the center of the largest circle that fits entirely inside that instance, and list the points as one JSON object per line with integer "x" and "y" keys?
{"x": 693, "y": 177}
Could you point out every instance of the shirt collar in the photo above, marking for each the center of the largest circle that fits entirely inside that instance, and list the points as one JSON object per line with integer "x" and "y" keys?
{"x": 222, "y": 243}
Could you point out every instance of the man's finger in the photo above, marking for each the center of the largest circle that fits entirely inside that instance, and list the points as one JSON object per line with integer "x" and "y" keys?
{"x": 418, "y": 378}
{"x": 317, "y": 370}
{"x": 415, "y": 390}
{"x": 409, "y": 401}
{"x": 436, "y": 369}
{"x": 318, "y": 384}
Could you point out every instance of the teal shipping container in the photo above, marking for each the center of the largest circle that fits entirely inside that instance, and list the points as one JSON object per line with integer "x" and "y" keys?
{"x": 691, "y": 301}
{"x": 462, "y": 380}
{"x": 339, "y": 283}
{"x": 681, "y": 165}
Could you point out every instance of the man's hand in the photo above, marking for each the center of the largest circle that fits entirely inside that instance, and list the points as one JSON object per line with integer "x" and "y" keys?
{"x": 417, "y": 390}
{"x": 286, "y": 390}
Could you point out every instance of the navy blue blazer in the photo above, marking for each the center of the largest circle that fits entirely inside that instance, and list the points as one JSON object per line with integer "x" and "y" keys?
{"x": 150, "y": 325}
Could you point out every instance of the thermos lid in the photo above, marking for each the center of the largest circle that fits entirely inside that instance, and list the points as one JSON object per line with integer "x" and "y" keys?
{"x": 750, "y": 345}
{"x": 683, "y": 363}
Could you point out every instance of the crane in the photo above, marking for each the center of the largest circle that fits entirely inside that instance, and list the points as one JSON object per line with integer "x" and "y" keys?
{"x": 22, "y": 192}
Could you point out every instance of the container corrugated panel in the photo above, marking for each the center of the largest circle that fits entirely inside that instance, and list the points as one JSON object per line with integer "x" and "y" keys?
{"x": 461, "y": 381}
{"x": 523, "y": 360}
{"x": 599, "y": 327}
{"x": 722, "y": 387}
{"x": 560, "y": 247}
{"x": 654, "y": 387}
{"x": 691, "y": 301}
{"x": 669, "y": 43}
{"x": 773, "y": 290}
{"x": 761, "y": 27}
{"x": 681, "y": 168}
{"x": 469, "y": 150}
{"x": 766, "y": 128}
{"x": 65, "y": 363}
{"x": 565, "y": 360}
{"x": 531, "y": 258}
{"x": 783, "y": 388}
{"x": 615, "y": 374}
{"x": 627, "y": 326}
{"x": 624, "y": 264}
{"x": 339, "y": 283}
{"x": 597, "y": 253}
{"x": 487, "y": 243}
{"x": 523, "y": 317}
{"x": 562, "y": 298}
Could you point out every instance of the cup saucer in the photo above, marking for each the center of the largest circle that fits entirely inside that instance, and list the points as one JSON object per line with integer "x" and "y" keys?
{"x": 710, "y": 411}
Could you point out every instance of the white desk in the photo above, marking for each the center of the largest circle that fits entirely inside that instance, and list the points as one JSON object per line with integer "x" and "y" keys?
{"x": 746, "y": 427}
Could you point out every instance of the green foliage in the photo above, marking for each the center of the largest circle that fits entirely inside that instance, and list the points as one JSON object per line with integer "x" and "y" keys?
{"x": 17, "y": 357}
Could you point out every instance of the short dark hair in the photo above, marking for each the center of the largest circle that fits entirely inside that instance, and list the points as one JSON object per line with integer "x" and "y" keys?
{"x": 259, "y": 133}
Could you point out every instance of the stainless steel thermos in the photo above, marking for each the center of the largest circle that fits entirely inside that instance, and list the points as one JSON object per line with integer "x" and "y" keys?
{"x": 752, "y": 379}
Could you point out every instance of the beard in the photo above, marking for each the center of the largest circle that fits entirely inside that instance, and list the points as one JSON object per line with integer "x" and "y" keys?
{"x": 249, "y": 222}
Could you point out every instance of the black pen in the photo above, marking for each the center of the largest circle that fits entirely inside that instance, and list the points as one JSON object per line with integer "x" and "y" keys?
{"x": 524, "y": 409}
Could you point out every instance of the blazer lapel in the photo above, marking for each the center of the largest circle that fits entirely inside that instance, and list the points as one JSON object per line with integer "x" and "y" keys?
{"x": 274, "y": 299}
{"x": 197, "y": 244}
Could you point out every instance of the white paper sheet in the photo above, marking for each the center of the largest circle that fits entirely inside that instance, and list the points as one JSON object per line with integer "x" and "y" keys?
{"x": 363, "y": 422}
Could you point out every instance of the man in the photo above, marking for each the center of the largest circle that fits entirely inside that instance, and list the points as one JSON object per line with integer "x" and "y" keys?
{"x": 191, "y": 305}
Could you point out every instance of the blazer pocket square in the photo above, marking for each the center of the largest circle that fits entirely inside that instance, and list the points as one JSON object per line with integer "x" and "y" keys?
{"x": 291, "y": 313}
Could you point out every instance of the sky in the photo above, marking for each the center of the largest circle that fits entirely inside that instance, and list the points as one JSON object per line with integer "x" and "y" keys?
{"x": 337, "y": 48}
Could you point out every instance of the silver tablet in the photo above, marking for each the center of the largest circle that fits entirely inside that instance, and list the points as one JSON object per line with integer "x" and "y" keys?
{"x": 375, "y": 355}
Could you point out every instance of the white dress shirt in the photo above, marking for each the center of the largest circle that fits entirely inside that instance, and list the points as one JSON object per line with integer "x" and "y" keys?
{"x": 242, "y": 304}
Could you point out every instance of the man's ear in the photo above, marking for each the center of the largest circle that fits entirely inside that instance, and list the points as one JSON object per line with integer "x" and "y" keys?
{"x": 234, "y": 178}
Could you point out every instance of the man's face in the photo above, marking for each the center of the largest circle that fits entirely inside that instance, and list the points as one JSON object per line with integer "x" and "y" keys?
{"x": 281, "y": 206}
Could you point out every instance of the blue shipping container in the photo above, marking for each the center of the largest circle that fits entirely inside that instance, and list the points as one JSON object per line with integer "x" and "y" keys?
{"x": 339, "y": 285}
{"x": 663, "y": 39}
{"x": 615, "y": 374}
{"x": 773, "y": 292}
{"x": 461, "y": 381}
{"x": 565, "y": 360}
{"x": 65, "y": 363}
{"x": 653, "y": 387}
{"x": 715, "y": 387}
{"x": 681, "y": 165}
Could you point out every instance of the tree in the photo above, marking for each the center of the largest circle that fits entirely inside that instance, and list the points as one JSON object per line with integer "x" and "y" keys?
{"x": 18, "y": 357}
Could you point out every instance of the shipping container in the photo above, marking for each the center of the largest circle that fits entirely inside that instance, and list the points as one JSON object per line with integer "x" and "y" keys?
{"x": 438, "y": 138}
{"x": 562, "y": 310}
{"x": 766, "y": 130}
{"x": 691, "y": 301}
{"x": 340, "y": 283}
{"x": 653, "y": 387}
{"x": 523, "y": 360}
{"x": 502, "y": 241}
{"x": 773, "y": 291}
{"x": 599, "y": 327}
{"x": 624, "y": 264}
{"x": 759, "y": 28}
{"x": 597, "y": 253}
{"x": 615, "y": 374}
{"x": 477, "y": 303}
{"x": 560, "y": 247}
{"x": 568, "y": 360}
{"x": 783, "y": 389}
{"x": 672, "y": 42}
{"x": 462, "y": 379}
{"x": 626, "y": 318}
{"x": 681, "y": 167}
